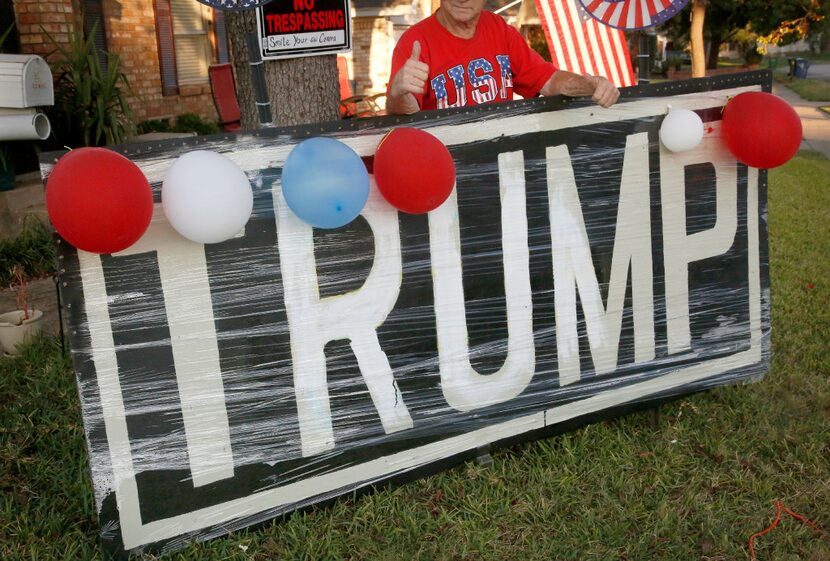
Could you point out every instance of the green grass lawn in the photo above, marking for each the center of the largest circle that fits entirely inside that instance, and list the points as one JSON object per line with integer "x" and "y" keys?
{"x": 694, "y": 486}
{"x": 811, "y": 90}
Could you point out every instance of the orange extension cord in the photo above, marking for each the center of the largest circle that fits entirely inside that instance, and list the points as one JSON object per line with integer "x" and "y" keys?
{"x": 778, "y": 508}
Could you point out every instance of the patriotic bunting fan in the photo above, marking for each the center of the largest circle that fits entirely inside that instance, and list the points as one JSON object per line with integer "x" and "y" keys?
{"x": 633, "y": 14}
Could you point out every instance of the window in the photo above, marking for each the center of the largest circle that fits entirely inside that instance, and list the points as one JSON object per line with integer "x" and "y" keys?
{"x": 94, "y": 27}
{"x": 191, "y": 37}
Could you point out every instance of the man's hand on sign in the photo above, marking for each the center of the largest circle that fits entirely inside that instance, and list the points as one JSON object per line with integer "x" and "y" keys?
{"x": 603, "y": 92}
{"x": 410, "y": 80}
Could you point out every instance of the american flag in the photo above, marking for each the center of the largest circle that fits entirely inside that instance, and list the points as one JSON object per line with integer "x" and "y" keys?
{"x": 579, "y": 43}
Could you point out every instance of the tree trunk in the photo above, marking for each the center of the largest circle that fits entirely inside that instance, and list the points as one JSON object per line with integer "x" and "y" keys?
{"x": 714, "y": 51}
{"x": 301, "y": 90}
{"x": 696, "y": 39}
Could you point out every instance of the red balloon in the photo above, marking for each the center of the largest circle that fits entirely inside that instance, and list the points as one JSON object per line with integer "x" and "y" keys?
{"x": 98, "y": 201}
{"x": 414, "y": 171}
{"x": 761, "y": 130}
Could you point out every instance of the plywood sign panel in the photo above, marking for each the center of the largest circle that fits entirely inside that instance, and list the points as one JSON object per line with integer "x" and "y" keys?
{"x": 578, "y": 268}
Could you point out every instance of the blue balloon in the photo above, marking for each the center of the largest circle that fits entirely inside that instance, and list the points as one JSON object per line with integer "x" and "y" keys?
{"x": 325, "y": 182}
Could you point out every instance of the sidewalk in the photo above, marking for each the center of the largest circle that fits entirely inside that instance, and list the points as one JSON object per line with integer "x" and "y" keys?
{"x": 815, "y": 122}
{"x": 24, "y": 200}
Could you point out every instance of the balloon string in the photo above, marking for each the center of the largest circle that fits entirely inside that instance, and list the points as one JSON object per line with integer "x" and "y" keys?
{"x": 778, "y": 508}
{"x": 728, "y": 99}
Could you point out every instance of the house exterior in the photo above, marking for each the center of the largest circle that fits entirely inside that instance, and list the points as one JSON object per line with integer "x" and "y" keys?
{"x": 376, "y": 27}
{"x": 166, "y": 46}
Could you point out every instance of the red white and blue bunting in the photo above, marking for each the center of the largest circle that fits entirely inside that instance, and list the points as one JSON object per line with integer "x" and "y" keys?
{"x": 633, "y": 14}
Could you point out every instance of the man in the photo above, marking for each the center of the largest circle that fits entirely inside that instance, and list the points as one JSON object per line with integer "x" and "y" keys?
{"x": 461, "y": 55}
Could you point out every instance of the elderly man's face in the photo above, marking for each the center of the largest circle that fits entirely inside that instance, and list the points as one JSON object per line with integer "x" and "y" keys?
{"x": 462, "y": 11}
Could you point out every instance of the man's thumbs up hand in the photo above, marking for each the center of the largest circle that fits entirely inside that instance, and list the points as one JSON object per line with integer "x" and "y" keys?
{"x": 416, "y": 51}
{"x": 413, "y": 75}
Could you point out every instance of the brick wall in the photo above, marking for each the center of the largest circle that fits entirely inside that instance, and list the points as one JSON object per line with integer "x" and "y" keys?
{"x": 130, "y": 31}
{"x": 36, "y": 18}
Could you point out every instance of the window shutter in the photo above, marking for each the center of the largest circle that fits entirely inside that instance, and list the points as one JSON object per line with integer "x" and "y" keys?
{"x": 193, "y": 50}
{"x": 221, "y": 35}
{"x": 94, "y": 25}
{"x": 166, "y": 47}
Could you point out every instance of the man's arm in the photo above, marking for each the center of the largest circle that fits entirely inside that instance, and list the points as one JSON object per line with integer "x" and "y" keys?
{"x": 602, "y": 91}
{"x": 410, "y": 80}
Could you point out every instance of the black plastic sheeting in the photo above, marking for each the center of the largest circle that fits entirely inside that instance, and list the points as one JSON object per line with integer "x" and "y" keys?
{"x": 578, "y": 269}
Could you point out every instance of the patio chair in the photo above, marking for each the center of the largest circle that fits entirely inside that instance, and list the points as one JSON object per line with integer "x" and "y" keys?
{"x": 361, "y": 105}
{"x": 223, "y": 88}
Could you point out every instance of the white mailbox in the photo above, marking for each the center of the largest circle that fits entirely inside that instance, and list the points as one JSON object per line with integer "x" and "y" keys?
{"x": 25, "y": 84}
{"x": 25, "y": 81}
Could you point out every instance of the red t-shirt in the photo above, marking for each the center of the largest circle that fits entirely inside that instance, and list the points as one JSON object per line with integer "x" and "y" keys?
{"x": 483, "y": 69}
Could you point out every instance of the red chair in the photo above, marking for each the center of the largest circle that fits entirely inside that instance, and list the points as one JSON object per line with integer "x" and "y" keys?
{"x": 223, "y": 88}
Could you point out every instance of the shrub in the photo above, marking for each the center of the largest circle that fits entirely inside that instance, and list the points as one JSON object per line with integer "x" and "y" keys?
{"x": 674, "y": 62}
{"x": 752, "y": 56}
{"x": 153, "y": 125}
{"x": 190, "y": 122}
{"x": 33, "y": 251}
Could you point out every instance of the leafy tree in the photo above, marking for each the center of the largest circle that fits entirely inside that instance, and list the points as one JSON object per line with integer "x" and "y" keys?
{"x": 767, "y": 17}
{"x": 782, "y": 21}
{"x": 724, "y": 19}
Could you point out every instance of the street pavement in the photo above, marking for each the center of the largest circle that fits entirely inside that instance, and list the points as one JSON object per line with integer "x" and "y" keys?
{"x": 819, "y": 70}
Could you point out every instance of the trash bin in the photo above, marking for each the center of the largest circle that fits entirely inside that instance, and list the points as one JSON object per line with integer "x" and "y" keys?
{"x": 798, "y": 67}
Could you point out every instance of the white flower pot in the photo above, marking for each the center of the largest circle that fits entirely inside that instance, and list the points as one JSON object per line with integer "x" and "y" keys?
{"x": 14, "y": 330}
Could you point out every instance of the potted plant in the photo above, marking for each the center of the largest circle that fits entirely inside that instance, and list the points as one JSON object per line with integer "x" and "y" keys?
{"x": 7, "y": 177}
{"x": 22, "y": 324}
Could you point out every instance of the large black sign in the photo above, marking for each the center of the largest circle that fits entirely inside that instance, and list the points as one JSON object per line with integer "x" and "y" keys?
{"x": 294, "y": 28}
{"x": 578, "y": 269}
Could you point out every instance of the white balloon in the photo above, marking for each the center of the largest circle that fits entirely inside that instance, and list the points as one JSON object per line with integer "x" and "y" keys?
{"x": 206, "y": 197}
{"x": 681, "y": 131}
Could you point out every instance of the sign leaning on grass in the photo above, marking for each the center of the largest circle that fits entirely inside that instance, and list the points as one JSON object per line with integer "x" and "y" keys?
{"x": 577, "y": 271}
